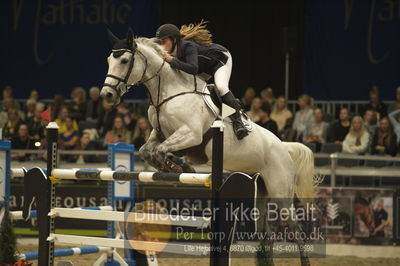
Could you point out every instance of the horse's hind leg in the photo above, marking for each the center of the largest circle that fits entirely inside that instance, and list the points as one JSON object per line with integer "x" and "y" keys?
{"x": 295, "y": 227}
{"x": 265, "y": 255}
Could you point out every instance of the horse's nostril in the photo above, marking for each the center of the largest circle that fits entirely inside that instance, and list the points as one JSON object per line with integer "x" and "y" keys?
{"x": 109, "y": 95}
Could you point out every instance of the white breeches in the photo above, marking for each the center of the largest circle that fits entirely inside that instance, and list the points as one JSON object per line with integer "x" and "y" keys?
{"x": 222, "y": 76}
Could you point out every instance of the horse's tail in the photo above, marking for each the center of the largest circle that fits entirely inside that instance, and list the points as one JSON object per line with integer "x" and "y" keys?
{"x": 305, "y": 178}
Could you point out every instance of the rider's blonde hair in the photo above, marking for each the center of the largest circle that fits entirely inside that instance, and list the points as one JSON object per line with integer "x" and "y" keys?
{"x": 197, "y": 33}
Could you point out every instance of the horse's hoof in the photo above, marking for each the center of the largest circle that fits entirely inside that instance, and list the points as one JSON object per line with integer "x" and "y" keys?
{"x": 305, "y": 261}
{"x": 187, "y": 168}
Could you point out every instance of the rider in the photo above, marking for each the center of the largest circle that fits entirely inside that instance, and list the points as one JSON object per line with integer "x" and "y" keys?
{"x": 192, "y": 51}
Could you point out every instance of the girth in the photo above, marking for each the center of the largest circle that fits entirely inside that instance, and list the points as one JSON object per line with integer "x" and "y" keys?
{"x": 159, "y": 103}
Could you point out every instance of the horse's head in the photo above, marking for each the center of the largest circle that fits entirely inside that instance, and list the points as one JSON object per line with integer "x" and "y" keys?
{"x": 122, "y": 72}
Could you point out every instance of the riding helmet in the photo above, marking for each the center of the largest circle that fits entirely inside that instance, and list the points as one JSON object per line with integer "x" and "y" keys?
{"x": 168, "y": 30}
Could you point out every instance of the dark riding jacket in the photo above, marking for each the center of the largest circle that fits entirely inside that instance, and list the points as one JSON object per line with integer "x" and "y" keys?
{"x": 194, "y": 59}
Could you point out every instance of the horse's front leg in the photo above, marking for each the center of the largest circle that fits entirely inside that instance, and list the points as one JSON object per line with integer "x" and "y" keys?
{"x": 182, "y": 138}
{"x": 147, "y": 151}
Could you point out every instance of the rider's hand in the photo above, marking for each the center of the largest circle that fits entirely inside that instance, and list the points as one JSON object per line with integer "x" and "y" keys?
{"x": 168, "y": 57}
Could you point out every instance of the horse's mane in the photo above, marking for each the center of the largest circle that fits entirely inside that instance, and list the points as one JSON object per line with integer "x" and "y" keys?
{"x": 152, "y": 43}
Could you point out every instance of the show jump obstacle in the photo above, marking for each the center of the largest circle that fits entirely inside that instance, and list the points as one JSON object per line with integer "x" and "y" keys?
{"x": 39, "y": 187}
{"x": 120, "y": 157}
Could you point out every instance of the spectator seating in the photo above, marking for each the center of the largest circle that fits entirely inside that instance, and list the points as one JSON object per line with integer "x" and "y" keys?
{"x": 312, "y": 146}
{"x": 363, "y": 181}
{"x": 327, "y": 148}
{"x": 348, "y": 162}
{"x": 372, "y": 163}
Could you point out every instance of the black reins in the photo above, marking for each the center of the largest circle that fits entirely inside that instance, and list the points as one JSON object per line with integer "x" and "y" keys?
{"x": 159, "y": 103}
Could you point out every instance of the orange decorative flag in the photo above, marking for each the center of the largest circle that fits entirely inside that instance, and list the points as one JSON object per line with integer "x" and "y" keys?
{"x": 46, "y": 114}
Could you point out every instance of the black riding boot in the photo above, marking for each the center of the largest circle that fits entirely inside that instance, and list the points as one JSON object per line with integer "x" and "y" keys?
{"x": 238, "y": 127}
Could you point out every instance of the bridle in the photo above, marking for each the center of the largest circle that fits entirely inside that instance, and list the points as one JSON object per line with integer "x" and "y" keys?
{"x": 124, "y": 81}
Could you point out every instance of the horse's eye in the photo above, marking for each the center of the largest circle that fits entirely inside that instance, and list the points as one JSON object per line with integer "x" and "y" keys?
{"x": 124, "y": 61}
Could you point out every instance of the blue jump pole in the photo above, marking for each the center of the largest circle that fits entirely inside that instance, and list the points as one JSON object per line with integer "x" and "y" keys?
{"x": 66, "y": 252}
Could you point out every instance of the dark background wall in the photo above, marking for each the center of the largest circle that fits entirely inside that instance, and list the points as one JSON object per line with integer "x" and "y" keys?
{"x": 351, "y": 46}
{"x": 343, "y": 48}
{"x": 251, "y": 30}
{"x": 53, "y": 47}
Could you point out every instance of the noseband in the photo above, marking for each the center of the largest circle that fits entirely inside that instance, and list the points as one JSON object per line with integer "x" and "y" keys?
{"x": 124, "y": 81}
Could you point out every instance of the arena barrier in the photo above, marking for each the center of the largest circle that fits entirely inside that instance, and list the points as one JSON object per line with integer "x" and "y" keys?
{"x": 39, "y": 187}
{"x": 120, "y": 156}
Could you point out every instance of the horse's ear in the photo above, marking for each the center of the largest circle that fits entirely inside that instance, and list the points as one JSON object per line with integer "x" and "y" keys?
{"x": 112, "y": 37}
{"x": 129, "y": 38}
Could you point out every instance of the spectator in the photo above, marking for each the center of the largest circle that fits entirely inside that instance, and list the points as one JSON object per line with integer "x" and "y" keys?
{"x": 10, "y": 103}
{"x": 77, "y": 107}
{"x": 118, "y": 133}
{"x": 69, "y": 139}
{"x": 35, "y": 124}
{"x": 396, "y": 105}
{"x": 248, "y": 97}
{"x": 105, "y": 122}
{"x": 30, "y": 108}
{"x": 339, "y": 129}
{"x": 11, "y": 127}
{"x": 93, "y": 134}
{"x": 289, "y": 134}
{"x": 8, "y": 94}
{"x": 265, "y": 119}
{"x": 267, "y": 96}
{"x": 87, "y": 144}
{"x": 280, "y": 114}
{"x": 384, "y": 140}
{"x": 94, "y": 106}
{"x": 34, "y": 95}
{"x": 370, "y": 122}
{"x": 304, "y": 116}
{"x": 3, "y": 117}
{"x": 61, "y": 120}
{"x": 58, "y": 103}
{"x": 317, "y": 130}
{"x": 254, "y": 109}
{"x": 375, "y": 104}
{"x": 141, "y": 133}
{"x": 123, "y": 110}
{"x": 394, "y": 118}
{"x": 23, "y": 142}
{"x": 357, "y": 140}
